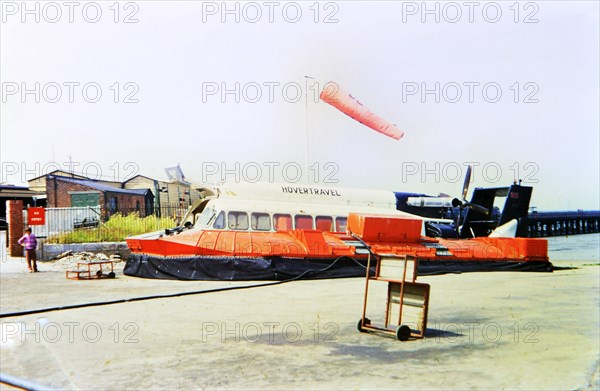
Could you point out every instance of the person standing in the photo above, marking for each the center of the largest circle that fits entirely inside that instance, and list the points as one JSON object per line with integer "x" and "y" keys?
{"x": 29, "y": 241}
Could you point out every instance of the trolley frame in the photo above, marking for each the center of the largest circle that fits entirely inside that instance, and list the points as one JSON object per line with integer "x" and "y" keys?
{"x": 400, "y": 273}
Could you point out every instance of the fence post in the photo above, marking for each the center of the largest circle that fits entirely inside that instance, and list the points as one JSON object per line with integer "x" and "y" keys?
{"x": 14, "y": 214}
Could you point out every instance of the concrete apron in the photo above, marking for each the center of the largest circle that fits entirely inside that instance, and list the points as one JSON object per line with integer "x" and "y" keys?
{"x": 485, "y": 330}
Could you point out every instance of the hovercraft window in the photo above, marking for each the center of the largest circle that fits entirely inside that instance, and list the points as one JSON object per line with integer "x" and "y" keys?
{"x": 204, "y": 219}
{"x": 220, "y": 221}
{"x": 237, "y": 220}
{"x": 282, "y": 222}
{"x": 324, "y": 223}
{"x": 303, "y": 222}
{"x": 340, "y": 224}
{"x": 260, "y": 221}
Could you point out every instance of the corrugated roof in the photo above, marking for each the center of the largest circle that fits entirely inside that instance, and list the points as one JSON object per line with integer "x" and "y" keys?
{"x": 100, "y": 186}
{"x": 9, "y": 191}
{"x": 52, "y": 173}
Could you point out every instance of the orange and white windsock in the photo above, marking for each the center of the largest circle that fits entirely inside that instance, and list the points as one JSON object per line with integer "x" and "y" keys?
{"x": 334, "y": 95}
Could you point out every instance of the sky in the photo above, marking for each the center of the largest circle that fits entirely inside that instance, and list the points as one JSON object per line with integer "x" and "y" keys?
{"x": 230, "y": 92}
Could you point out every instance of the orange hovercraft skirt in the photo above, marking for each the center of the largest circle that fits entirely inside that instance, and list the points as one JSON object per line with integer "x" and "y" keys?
{"x": 311, "y": 254}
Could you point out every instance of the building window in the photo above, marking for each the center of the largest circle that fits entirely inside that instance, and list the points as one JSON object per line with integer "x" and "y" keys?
{"x": 113, "y": 205}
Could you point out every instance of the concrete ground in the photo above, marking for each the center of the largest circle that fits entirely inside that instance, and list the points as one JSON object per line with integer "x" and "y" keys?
{"x": 486, "y": 331}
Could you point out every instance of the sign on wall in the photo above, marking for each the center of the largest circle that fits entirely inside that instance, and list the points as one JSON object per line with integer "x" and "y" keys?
{"x": 36, "y": 216}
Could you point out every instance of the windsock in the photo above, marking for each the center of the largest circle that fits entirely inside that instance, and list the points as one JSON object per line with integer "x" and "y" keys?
{"x": 334, "y": 95}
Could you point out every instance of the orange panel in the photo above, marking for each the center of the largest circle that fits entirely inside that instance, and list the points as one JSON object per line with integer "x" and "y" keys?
{"x": 521, "y": 248}
{"x": 534, "y": 248}
{"x": 382, "y": 228}
{"x": 208, "y": 240}
{"x": 314, "y": 242}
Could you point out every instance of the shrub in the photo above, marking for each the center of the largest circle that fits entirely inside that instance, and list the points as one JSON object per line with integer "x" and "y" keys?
{"x": 116, "y": 229}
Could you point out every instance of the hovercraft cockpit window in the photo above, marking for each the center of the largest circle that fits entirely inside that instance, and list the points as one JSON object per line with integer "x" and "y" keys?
{"x": 220, "y": 221}
{"x": 205, "y": 218}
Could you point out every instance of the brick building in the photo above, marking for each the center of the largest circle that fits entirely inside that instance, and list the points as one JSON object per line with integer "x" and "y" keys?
{"x": 64, "y": 192}
{"x": 39, "y": 183}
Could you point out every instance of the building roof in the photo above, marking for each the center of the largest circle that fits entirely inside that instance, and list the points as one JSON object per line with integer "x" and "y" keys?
{"x": 99, "y": 186}
{"x": 147, "y": 177}
{"x": 18, "y": 191}
{"x": 54, "y": 173}
{"x": 152, "y": 179}
{"x": 13, "y": 187}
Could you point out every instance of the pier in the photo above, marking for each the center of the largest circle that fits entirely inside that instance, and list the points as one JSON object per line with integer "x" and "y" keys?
{"x": 561, "y": 223}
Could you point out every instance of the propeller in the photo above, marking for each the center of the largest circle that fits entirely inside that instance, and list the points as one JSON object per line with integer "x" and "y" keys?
{"x": 465, "y": 189}
{"x": 456, "y": 203}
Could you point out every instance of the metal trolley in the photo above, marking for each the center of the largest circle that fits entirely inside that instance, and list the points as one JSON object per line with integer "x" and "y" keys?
{"x": 84, "y": 271}
{"x": 407, "y": 300}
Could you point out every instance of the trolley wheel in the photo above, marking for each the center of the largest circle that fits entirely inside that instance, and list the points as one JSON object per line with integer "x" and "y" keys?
{"x": 360, "y": 325}
{"x": 111, "y": 275}
{"x": 403, "y": 333}
{"x": 99, "y": 273}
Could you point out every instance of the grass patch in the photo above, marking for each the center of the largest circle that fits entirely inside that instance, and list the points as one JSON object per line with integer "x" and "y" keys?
{"x": 116, "y": 229}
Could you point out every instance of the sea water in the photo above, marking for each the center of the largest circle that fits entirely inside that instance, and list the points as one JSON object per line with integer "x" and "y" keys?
{"x": 577, "y": 248}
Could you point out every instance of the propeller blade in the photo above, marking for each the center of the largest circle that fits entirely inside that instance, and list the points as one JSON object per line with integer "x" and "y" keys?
{"x": 478, "y": 208}
{"x": 466, "y": 184}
